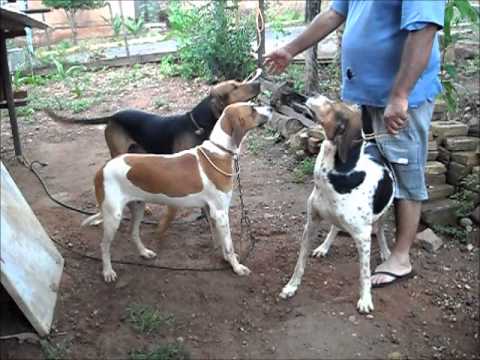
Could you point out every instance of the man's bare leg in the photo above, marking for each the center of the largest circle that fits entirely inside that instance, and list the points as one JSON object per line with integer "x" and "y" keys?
{"x": 407, "y": 218}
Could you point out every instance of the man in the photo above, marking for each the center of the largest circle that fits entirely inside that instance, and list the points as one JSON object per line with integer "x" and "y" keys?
{"x": 390, "y": 66}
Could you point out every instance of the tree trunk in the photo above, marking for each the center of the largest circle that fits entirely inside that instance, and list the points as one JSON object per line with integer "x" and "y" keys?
{"x": 73, "y": 25}
{"x": 312, "y": 8}
{"x": 260, "y": 33}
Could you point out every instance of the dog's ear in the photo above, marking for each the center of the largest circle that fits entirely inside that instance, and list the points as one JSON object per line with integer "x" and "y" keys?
{"x": 238, "y": 133}
{"x": 218, "y": 102}
{"x": 347, "y": 131}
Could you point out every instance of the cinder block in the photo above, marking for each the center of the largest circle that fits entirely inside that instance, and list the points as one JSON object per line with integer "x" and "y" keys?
{"x": 467, "y": 158}
{"x": 442, "y": 191}
{"x": 444, "y": 129}
{"x": 435, "y": 168}
{"x": 461, "y": 143}
{"x": 439, "y": 212}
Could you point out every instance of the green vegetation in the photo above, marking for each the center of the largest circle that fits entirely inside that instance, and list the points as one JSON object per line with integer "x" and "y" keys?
{"x": 146, "y": 319}
{"x": 455, "y": 12}
{"x": 214, "y": 43}
{"x": 303, "y": 170}
{"x": 53, "y": 351}
{"x": 174, "y": 351}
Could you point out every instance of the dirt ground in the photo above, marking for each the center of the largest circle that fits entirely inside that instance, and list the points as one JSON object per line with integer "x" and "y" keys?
{"x": 217, "y": 314}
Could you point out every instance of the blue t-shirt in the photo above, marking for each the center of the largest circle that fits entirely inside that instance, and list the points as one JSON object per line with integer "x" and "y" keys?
{"x": 375, "y": 32}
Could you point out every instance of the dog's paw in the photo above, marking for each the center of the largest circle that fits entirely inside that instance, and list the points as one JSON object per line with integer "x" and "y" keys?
{"x": 365, "y": 304}
{"x": 288, "y": 291}
{"x": 241, "y": 270}
{"x": 109, "y": 276}
{"x": 320, "y": 251}
{"x": 148, "y": 254}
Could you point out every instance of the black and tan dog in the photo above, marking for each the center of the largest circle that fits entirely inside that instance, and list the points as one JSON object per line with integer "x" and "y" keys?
{"x": 135, "y": 131}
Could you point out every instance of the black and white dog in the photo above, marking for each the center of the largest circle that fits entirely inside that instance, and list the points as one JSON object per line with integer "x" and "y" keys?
{"x": 353, "y": 189}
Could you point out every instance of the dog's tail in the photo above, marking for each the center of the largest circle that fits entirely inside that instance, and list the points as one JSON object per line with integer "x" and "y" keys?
{"x": 93, "y": 220}
{"x": 74, "y": 120}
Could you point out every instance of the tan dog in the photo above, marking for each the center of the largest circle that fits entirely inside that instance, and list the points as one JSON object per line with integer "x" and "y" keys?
{"x": 199, "y": 177}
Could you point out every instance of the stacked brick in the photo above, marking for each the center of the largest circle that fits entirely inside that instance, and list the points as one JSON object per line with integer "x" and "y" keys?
{"x": 453, "y": 154}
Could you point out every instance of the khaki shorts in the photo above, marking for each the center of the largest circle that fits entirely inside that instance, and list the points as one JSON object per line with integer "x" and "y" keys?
{"x": 406, "y": 152}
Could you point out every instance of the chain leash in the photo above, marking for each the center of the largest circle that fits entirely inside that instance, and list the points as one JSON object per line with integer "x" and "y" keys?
{"x": 245, "y": 222}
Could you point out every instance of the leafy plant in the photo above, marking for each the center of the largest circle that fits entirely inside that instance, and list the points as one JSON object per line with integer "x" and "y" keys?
{"x": 466, "y": 196}
{"x": 134, "y": 26}
{"x": 168, "y": 67}
{"x": 117, "y": 24}
{"x": 455, "y": 11}
{"x": 147, "y": 319}
{"x": 303, "y": 169}
{"x": 212, "y": 44}
{"x": 54, "y": 351}
{"x": 455, "y": 232}
{"x": 174, "y": 351}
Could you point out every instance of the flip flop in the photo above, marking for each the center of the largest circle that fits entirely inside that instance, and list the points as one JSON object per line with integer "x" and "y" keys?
{"x": 396, "y": 278}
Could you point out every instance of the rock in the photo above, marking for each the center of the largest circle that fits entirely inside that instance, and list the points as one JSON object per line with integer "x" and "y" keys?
{"x": 445, "y": 129}
{"x": 461, "y": 143}
{"x": 316, "y": 132}
{"x": 442, "y": 191}
{"x": 435, "y": 179}
{"x": 439, "y": 212}
{"x": 395, "y": 356}
{"x": 432, "y": 155}
{"x": 476, "y": 215}
{"x": 432, "y": 146}
{"x": 443, "y": 155}
{"x": 298, "y": 141}
{"x": 457, "y": 172}
{"x": 440, "y": 110}
{"x": 467, "y": 158}
{"x": 435, "y": 168}
{"x": 465, "y": 222}
{"x": 428, "y": 240}
{"x": 465, "y": 51}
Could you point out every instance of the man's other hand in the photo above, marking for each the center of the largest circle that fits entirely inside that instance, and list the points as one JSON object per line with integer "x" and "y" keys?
{"x": 396, "y": 114}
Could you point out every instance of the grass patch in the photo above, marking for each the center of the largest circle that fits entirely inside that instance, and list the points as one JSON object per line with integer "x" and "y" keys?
{"x": 146, "y": 319}
{"x": 174, "y": 351}
{"x": 303, "y": 169}
{"x": 456, "y": 232}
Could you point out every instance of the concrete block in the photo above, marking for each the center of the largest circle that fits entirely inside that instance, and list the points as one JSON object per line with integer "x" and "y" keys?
{"x": 428, "y": 240}
{"x": 432, "y": 145}
{"x": 435, "y": 179}
{"x": 442, "y": 191}
{"x": 436, "y": 212}
{"x": 435, "y": 168}
{"x": 444, "y": 129}
{"x": 443, "y": 155}
{"x": 457, "y": 172}
{"x": 461, "y": 143}
{"x": 467, "y": 158}
{"x": 432, "y": 155}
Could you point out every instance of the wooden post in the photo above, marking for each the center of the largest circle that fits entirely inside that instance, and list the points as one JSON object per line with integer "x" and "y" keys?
{"x": 261, "y": 33}
{"x": 7, "y": 90}
{"x": 312, "y": 8}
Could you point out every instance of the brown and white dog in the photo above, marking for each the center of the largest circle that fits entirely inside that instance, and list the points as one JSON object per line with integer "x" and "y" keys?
{"x": 353, "y": 189}
{"x": 199, "y": 177}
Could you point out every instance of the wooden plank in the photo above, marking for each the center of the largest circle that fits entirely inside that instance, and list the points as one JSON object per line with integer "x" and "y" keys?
{"x": 15, "y": 19}
{"x": 31, "y": 265}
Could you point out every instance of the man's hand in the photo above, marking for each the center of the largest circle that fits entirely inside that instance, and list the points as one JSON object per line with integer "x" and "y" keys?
{"x": 277, "y": 60}
{"x": 396, "y": 114}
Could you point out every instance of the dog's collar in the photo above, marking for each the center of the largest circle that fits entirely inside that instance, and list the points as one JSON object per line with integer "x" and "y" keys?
{"x": 200, "y": 130}
{"x": 232, "y": 174}
{"x": 233, "y": 153}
